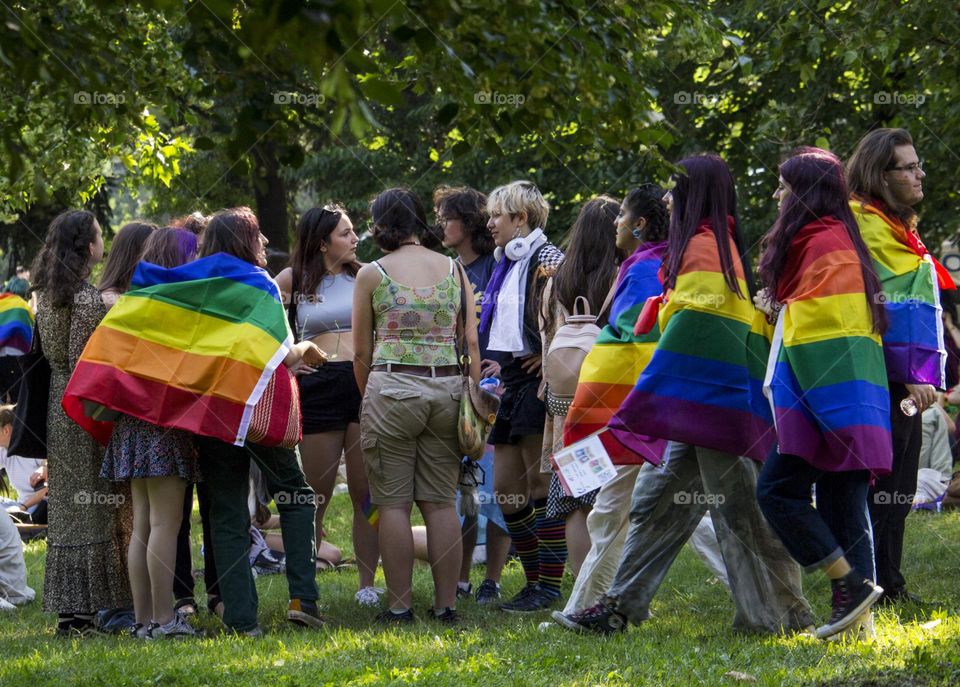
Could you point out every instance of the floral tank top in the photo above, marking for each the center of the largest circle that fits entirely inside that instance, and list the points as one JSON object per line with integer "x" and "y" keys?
{"x": 415, "y": 325}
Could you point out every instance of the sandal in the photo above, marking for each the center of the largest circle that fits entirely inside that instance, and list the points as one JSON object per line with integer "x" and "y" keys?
{"x": 214, "y": 602}
{"x": 187, "y": 606}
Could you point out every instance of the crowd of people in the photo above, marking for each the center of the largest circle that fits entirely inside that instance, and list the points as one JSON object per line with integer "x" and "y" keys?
{"x": 773, "y": 416}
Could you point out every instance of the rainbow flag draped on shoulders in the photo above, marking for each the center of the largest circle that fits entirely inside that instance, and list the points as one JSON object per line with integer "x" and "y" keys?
{"x": 617, "y": 358}
{"x": 826, "y": 378}
{"x": 190, "y": 348}
{"x": 16, "y": 325}
{"x": 913, "y": 343}
{"x": 703, "y": 385}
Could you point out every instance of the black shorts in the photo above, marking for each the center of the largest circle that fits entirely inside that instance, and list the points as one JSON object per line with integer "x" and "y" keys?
{"x": 521, "y": 413}
{"x": 329, "y": 398}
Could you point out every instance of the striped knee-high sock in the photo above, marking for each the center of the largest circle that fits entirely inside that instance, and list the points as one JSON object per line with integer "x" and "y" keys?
{"x": 522, "y": 527}
{"x": 553, "y": 547}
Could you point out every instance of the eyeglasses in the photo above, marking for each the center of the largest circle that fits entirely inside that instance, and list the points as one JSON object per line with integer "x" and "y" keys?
{"x": 444, "y": 220}
{"x": 912, "y": 168}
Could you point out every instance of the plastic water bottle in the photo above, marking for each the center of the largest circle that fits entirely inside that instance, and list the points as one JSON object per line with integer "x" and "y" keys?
{"x": 908, "y": 406}
{"x": 490, "y": 384}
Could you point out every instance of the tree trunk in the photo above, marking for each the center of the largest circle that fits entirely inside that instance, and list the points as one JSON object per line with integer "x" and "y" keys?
{"x": 270, "y": 194}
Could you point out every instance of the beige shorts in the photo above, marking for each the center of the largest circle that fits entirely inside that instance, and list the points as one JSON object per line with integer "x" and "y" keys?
{"x": 408, "y": 432}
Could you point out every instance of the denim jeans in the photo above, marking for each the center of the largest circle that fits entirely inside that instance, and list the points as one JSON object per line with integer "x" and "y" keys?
{"x": 669, "y": 502}
{"x": 226, "y": 472}
{"x": 816, "y": 537}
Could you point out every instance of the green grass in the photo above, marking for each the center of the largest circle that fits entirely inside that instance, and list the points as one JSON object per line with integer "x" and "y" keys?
{"x": 687, "y": 642}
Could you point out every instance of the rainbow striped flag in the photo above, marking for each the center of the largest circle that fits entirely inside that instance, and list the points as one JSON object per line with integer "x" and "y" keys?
{"x": 913, "y": 343}
{"x": 704, "y": 384}
{"x": 16, "y": 325}
{"x": 191, "y": 348}
{"x": 616, "y": 360}
{"x": 826, "y": 379}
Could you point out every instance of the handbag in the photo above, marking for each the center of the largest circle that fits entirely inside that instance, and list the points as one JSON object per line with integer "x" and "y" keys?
{"x": 29, "y": 438}
{"x": 478, "y": 408}
{"x": 276, "y": 419}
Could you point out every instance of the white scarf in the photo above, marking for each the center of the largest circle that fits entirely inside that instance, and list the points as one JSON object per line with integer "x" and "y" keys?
{"x": 506, "y": 330}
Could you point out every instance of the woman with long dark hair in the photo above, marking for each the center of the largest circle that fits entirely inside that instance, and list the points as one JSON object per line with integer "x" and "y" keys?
{"x": 608, "y": 374}
{"x": 125, "y": 251}
{"x": 826, "y": 383}
{"x": 588, "y": 269}
{"x": 319, "y": 284}
{"x": 86, "y": 568}
{"x": 701, "y": 391}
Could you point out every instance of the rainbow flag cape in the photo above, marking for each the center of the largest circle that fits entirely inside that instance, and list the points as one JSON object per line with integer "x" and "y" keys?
{"x": 826, "y": 379}
{"x": 704, "y": 383}
{"x": 190, "y": 348}
{"x": 913, "y": 343}
{"x": 16, "y": 325}
{"x": 616, "y": 360}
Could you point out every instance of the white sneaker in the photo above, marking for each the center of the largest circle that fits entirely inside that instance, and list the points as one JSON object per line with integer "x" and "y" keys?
{"x": 369, "y": 596}
{"x": 175, "y": 629}
{"x": 6, "y": 605}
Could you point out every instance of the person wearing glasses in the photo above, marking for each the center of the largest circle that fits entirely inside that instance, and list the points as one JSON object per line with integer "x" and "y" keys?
{"x": 321, "y": 278}
{"x": 462, "y": 227}
{"x": 885, "y": 179}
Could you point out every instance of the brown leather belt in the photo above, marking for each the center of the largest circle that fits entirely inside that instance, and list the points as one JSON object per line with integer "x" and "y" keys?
{"x": 418, "y": 370}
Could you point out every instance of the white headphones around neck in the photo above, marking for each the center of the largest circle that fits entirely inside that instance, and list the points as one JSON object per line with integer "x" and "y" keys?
{"x": 518, "y": 247}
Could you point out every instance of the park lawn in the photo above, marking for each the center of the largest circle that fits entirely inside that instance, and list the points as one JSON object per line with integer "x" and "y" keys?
{"x": 687, "y": 642}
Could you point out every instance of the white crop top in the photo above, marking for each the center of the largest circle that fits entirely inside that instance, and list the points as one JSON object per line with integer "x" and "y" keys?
{"x": 330, "y": 309}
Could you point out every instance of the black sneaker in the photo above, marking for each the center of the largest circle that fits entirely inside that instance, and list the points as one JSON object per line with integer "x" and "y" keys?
{"x": 388, "y": 617}
{"x": 601, "y": 619}
{"x": 304, "y": 612}
{"x": 852, "y": 595}
{"x": 464, "y": 593}
{"x": 537, "y": 599}
{"x": 448, "y": 617}
{"x": 488, "y": 592}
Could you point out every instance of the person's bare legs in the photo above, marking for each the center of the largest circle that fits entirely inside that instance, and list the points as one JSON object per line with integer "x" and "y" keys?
{"x": 443, "y": 550}
{"x": 396, "y": 551}
{"x": 137, "y": 553}
{"x": 366, "y": 546}
{"x": 498, "y": 550}
{"x": 166, "y": 513}
{"x": 468, "y": 543}
{"x": 509, "y": 479}
{"x": 578, "y": 539}
{"x": 320, "y": 456}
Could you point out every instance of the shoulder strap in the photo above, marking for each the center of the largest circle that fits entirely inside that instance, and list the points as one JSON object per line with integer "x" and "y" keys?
{"x": 462, "y": 358}
{"x": 292, "y": 310}
{"x": 380, "y": 267}
{"x": 608, "y": 301}
{"x": 451, "y": 266}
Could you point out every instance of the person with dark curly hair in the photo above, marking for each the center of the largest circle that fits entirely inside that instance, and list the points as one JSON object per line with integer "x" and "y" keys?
{"x": 86, "y": 562}
{"x": 462, "y": 224}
